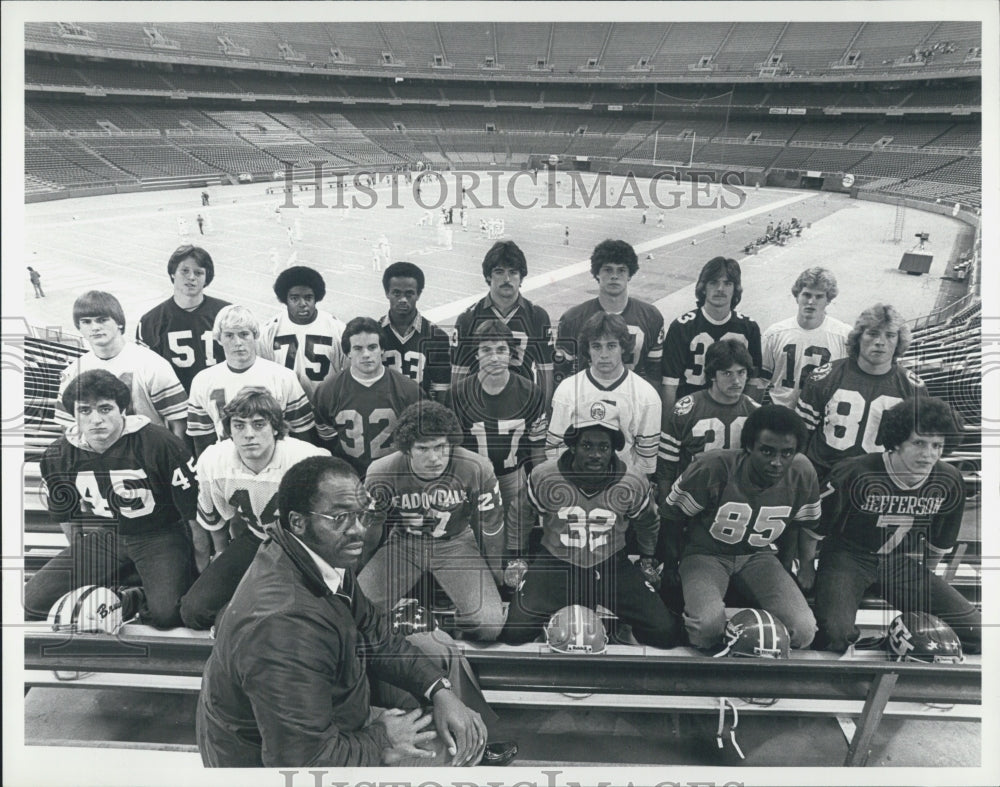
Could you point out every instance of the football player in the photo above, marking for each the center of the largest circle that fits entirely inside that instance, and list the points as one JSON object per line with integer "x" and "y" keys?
{"x": 711, "y": 419}
{"x": 606, "y": 343}
{"x": 123, "y": 488}
{"x": 888, "y": 519}
{"x": 303, "y": 339}
{"x": 238, "y": 482}
{"x": 444, "y": 516}
{"x": 504, "y": 268}
{"x": 356, "y": 411}
{"x": 155, "y": 391}
{"x": 842, "y": 402}
{"x": 718, "y": 291}
{"x": 503, "y": 418}
{"x": 414, "y": 346}
{"x": 613, "y": 263}
{"x": 180, "y": 328}
{"x": 734, "y": 504}
{"x": 237, "y": 331}
{"x": 586, "y": 500}
{"x": 792, "y": 348}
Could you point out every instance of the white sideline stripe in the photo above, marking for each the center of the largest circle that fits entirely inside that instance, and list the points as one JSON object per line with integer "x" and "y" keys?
{"x": 453, "y": 309}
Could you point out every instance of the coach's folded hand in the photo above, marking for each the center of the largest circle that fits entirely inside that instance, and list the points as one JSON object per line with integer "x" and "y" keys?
{"x": 406, "y": 734}
{"x": 461, "y": 728}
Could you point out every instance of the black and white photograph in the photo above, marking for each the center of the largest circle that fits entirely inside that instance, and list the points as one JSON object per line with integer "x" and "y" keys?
{"x": 514, "y": 394}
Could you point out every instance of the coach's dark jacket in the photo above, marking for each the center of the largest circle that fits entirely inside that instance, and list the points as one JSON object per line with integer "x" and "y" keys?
{"x": 287, "y": 684}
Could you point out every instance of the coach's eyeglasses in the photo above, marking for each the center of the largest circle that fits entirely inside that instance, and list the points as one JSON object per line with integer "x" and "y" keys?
{"x": 366, "y": 517}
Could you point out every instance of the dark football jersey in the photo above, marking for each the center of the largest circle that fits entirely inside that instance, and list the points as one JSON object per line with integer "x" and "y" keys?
{"x": 423, "y": 355}
{"x": 143, "y": 483}
{"x": 867, "y": 509}
{"x": 698, "y": 423}
{"x": 645, "y": 323}
{"x": 726, "y": 516}
{"x": 183, "y": 337}
{"x": 587, "y": 529}
{"x": 690, "y": 335}
{"x": 505, "y": 427}
{"x": 360, "y": 418}
{"x": 842, "y": 407}
{"x": 466, "y": 495}
{"x": 530, "y": 325}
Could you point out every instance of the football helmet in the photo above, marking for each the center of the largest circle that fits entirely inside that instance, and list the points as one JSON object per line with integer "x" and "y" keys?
{"x": 90, "y": 609}
{"x": 756, "y": 633}
{"x": 408, "y": 617}
{"x": 919, "y": 636}
{"x": 576, "y": 629}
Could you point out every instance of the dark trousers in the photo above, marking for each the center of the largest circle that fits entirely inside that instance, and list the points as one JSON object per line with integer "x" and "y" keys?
{"x": 844, "y": 576}
{"x": 217, "y": 583}
{"x": 100, "y": 556}
{"x": 551, "y": 584}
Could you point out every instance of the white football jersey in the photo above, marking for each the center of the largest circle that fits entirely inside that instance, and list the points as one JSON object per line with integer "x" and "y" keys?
{"x": 312, "y": 351}
{"x": 790, "y": 353}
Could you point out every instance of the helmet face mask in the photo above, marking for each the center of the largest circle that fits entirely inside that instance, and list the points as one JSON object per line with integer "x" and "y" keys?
{"x": 921, "y": 637}
{"x": 576, "y": 629}
{"x": 756, "y": 633}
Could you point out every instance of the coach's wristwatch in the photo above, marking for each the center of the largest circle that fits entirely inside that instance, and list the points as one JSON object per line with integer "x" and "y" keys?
{"x": 441, "y": 683}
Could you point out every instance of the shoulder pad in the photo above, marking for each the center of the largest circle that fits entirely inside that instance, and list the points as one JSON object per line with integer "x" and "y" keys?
{"x": 683, "y": 407}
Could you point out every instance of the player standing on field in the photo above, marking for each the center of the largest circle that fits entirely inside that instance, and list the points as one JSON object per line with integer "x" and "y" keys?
{"x": 504, "y": 268}
{"x": 303, "y": 339}
{"x": 793, "y": 348}
{"x": 156, "y": 393}
{"x": 180, "y": 328}
{"x": 718, "y": 291}
{"x": 414, "y": 346}
{"x": 842, "y": 402}
{"x": 613, "y": 263}
{"x": 236, "y": 329}
{"x": 357, "y": 409}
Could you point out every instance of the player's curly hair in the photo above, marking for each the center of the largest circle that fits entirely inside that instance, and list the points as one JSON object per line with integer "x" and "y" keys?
{"x": 816, "y": 279}
{"x": 300, "y": 483}
{"x": 606, "y": 324}
{"x": 234, "y": 316}
{"x": 201, "y": 258}
{"x": 93, "y": 385}
{"x": 495, "y": 331}
{"x": 406, "y": 270}
{"x": 924, "y": 415}
{"x": 716, "y": 268}
{"x": 360, "y": 325}
{"x": 504, "y": 253}
{"x": 251, "y": 401}
{"x": 95, "y": 303}
{"x": 424, "y": 420}
{"x": 774, "y": 418}
{"x": 615, "y": 252}
{"x": 299, "y": 276}
{"x": 881, "y": 315}
{"x": 724, "y": 353}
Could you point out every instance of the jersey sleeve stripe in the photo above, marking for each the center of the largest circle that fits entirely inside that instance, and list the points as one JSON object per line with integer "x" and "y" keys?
{"x": 808, "y": 512}
{"x": 210, "y": 520}
{"x": 299, "y": 415}
{"x": 684, "y": 501}
{"x": 674, "y": 381}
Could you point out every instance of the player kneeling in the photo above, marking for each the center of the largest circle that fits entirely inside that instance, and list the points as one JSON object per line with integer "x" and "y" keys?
{"x": 735, "y": 504}
{"x": 888, "y": 519}
{"x": 587, "y": 499}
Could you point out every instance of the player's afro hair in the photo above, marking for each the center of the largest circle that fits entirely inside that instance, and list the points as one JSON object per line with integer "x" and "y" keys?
{"x": 299, "y": 276}
{"x": 201, "y": 258}
{"x": 724, "y": 353}
{"x": 426, "y": 420}
{"x": 816, "y": 279}
{"x": 95, "y": 303}
{"x": 300, "y": 483}
{"x": 720, "y": 268}
{"x": 360, "y": 325}
{"x": 573, "y": 436}
{"x": 94, "y": 385}
{"x": 251, "y": 401}
{"x": 774, "y": 418}
{"x": 507, "y": 254}
{"x": 881, "y": 315}
{"x": 924, "y": 415}
{"x": 404, "y": 270}
{"x": 605, "y": 324}
{"x": 614, "y": 252}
